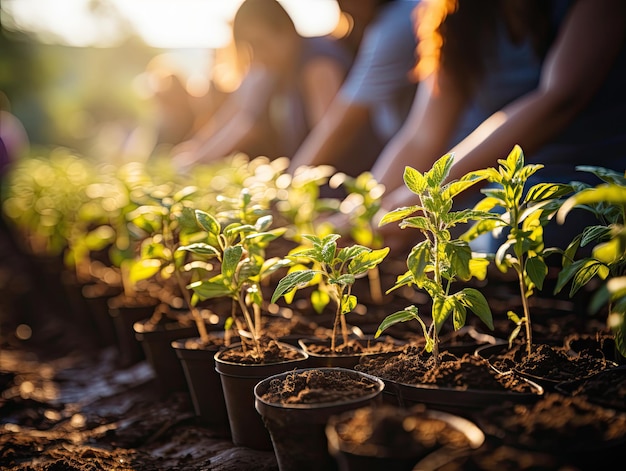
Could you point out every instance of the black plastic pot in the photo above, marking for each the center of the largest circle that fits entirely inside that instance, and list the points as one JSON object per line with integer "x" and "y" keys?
{"x": 298, "y": 430}
{"x": 156, "y": 341}
{"x": 124, "y": 315}
{"x": 238, "y": 382}
{"x": 401, "y": 449}
{"x": 203, "y": 382}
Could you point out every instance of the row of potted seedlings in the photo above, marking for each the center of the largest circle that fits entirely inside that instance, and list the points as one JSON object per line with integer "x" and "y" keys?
{"x": 226, "y": 281}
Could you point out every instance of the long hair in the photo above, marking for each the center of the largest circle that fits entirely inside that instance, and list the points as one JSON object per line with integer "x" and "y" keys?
{"x": 454, "y": 35}
{"x": 268, "y": 12}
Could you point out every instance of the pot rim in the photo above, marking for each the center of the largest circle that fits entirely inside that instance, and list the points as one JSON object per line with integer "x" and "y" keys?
{"x": 319, "y": 405}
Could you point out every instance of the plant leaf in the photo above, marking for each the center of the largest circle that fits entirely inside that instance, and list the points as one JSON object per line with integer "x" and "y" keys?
{"x": 144, "y": 269}
{"x": 405, "y": 315}
{"x": 292, "y": 281}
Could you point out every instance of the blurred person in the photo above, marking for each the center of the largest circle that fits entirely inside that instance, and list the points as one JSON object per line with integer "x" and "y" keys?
{"x": 547, "y": 75}
{"x": 375, "y": 99}
{"x": 290, "y": 83}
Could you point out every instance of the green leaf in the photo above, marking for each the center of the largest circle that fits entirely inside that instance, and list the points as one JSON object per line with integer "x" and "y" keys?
{"x": 367, "y": 260}
{"x": 293, "y": 280}
{"x": 537, "y": 270}
{"x": 417, "y": 222}
{"x": 144, "y": 269}
{"x": 398, "y": 214}
{"x": 609, "y": 252}
{"x": 405, "y": 315}
{"x": 208, "y": 222}
{"x": 586, "y": 272}
{"x": 608, "y": 175}
{"x": 545, "y": 191}
{"x": 345, "y": 279}
{"x": 319, "y": 300}
{"x": 209, "y": 289}
{"x": 418, "y": 259}
{"x": 454, "y": 188}
{"x": 200, "y": 248}
{"x": 264, "y": 223}
{"x": 602, "y": 193}
{"x": 232, "y": 256}
{"x": 594, "y": 233}
{"x": 348, "y": 303}
{"x": 414, "y": 180}
{"x": 443, "y": 307}
{"x": 476, "y": 302}
{"x": 349, "y": 253}
{"x": 459, "y": 254}
{"x": 439, "y": 171}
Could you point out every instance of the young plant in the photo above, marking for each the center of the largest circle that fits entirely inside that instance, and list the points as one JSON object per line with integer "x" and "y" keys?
{"x": 607, "y": 201}
{"x": 361, "y": 204}
{"x": 523, "y": 217}
{"x": 239, "y": 247}
{"x": 169, "y": 222}
{"x": 438, "y": 259}
{"x": 337, "y": 268}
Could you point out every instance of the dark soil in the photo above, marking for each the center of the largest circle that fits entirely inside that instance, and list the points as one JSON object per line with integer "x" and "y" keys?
{"x": 354, "y": 346}
{"x": 550, "y": 364}
{"x": 270, "y": 351}
{"x": 316, "y": 386}
{"x": 84, "y": 413}
{"x": 414, "y": 366}
{"x": 388, "y": 431}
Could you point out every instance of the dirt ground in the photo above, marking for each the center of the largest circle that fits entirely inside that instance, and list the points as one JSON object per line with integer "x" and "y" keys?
{"x": 65, "y": 403}
{"x": 80, "y": 412}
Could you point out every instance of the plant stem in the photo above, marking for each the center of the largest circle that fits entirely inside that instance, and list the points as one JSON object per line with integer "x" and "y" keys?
{"x": 529, "y": 331}
{"x": 204, "y": 336}
{"x": 376, "y": 292}
{"x": 248, "y": 318}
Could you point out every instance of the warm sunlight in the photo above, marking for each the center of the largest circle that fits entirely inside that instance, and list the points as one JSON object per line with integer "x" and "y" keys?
{"x": 160, "y": 23}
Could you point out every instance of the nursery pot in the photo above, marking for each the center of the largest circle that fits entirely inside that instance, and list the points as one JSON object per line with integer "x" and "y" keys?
{"x": 342, "y": 360}
{"x": 156, "y": 341}
{"x": 238, "y": 382}
{"x": 298, "y": 429}
{"x": 96, "y": 296}
{"x": 203, "y": 382}
{"x": 398, "y": 438}
{"x": 124, "y": 314}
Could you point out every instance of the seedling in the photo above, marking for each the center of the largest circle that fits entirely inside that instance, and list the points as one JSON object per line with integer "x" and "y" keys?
{"x": 336, "y": 269}
{"x": 607, "y": 201}
{"x": 169, "y": 221}
{"x": 362, "y": 203}
{"x": 438, "y": 260}
{"x": 239, "y": 247}
{"x": 524, "y": 217}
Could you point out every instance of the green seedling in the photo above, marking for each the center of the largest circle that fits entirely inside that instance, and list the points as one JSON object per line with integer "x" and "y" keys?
{"x": 523, "y": 217}
{"x": 239, "y": 247}
{"x": 607, "y": 201}
{"x": 335, "y": 269}
{"x": 438, "y": 259}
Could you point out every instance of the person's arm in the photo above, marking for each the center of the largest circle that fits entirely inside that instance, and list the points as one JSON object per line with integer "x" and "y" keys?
{"x": 425, "y": 135}
{"x": 332, "y": 135}
{"x": 574, "y": 69}
{"x": 233, "y": 124}
{"x": 321, "y": 79}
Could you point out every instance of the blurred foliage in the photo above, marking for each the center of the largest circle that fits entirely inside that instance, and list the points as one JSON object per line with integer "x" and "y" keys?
{"x": 80, "y": 98}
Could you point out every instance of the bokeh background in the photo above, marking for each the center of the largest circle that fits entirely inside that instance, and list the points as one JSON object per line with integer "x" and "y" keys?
{"x": 96, "y": 75}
